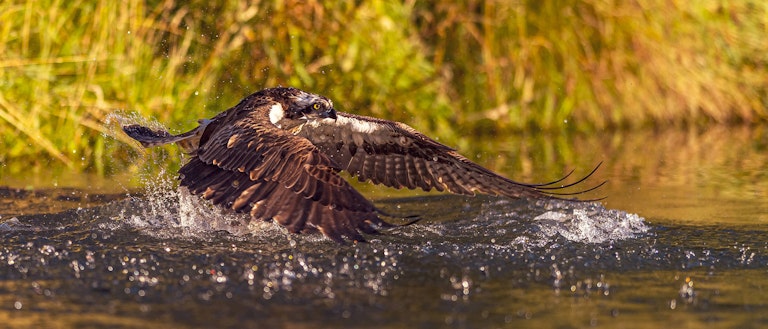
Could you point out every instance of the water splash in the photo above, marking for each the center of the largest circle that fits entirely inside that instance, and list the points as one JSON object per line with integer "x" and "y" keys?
{"x": 589, "y": 223}
{"x": 128, "y": 118}
{"x": 164, "y": 208}
{"x": 13, "y": 224}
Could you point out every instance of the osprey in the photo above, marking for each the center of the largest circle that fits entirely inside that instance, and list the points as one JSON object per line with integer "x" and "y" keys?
{"x": 278, "y": 153}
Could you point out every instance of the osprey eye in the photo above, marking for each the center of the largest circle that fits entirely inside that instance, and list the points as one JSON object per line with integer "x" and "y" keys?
{"x": 316, "y": 106}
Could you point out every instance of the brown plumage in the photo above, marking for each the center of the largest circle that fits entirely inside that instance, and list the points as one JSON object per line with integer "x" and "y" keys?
{"x": 278, "y": 153}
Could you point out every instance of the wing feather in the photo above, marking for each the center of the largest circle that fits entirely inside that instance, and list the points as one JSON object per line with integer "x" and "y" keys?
{"x": 372, "y": 149}
{"x": 401, "y": 175}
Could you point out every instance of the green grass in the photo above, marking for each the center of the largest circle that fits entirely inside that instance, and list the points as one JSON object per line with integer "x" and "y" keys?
{"x": 448, "y": 69}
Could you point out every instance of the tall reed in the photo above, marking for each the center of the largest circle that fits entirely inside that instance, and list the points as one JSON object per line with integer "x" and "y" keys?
{"x": 481, "y": 65}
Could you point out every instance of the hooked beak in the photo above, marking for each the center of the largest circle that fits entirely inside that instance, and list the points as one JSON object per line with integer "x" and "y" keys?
{"x": 331, "y": 113}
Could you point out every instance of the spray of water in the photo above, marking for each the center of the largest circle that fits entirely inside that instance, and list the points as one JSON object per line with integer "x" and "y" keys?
{"x": 166, "y": 205}
{"x": 590, "y": 223}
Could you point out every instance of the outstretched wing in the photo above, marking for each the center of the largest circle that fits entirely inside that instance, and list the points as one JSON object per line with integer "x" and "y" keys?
{"x": 250, "y": 166}
{"x": 396, "y": 155}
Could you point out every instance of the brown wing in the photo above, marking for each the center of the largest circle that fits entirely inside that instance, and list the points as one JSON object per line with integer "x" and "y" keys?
{"x": 250, "y": 166}
{"x": 396, "y": 155}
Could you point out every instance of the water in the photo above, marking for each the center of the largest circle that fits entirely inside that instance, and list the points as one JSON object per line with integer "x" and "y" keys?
{"x": 681, "y": 241}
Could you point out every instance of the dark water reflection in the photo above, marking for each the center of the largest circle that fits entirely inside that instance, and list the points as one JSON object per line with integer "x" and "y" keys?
{"x": 698, "y": 255}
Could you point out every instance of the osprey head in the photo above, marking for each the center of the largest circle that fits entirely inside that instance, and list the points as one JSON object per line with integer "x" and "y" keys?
{"x": 302, "y": 105}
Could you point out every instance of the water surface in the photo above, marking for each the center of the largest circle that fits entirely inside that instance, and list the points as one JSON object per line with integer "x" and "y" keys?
{"x": 680, "y": 241}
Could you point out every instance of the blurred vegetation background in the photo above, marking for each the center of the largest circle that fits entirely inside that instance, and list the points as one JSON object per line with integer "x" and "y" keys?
{"x": 452, "y": 70}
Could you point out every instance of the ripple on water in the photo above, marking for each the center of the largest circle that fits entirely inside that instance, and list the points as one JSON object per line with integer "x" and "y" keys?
{"x": 167, "y": 251}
